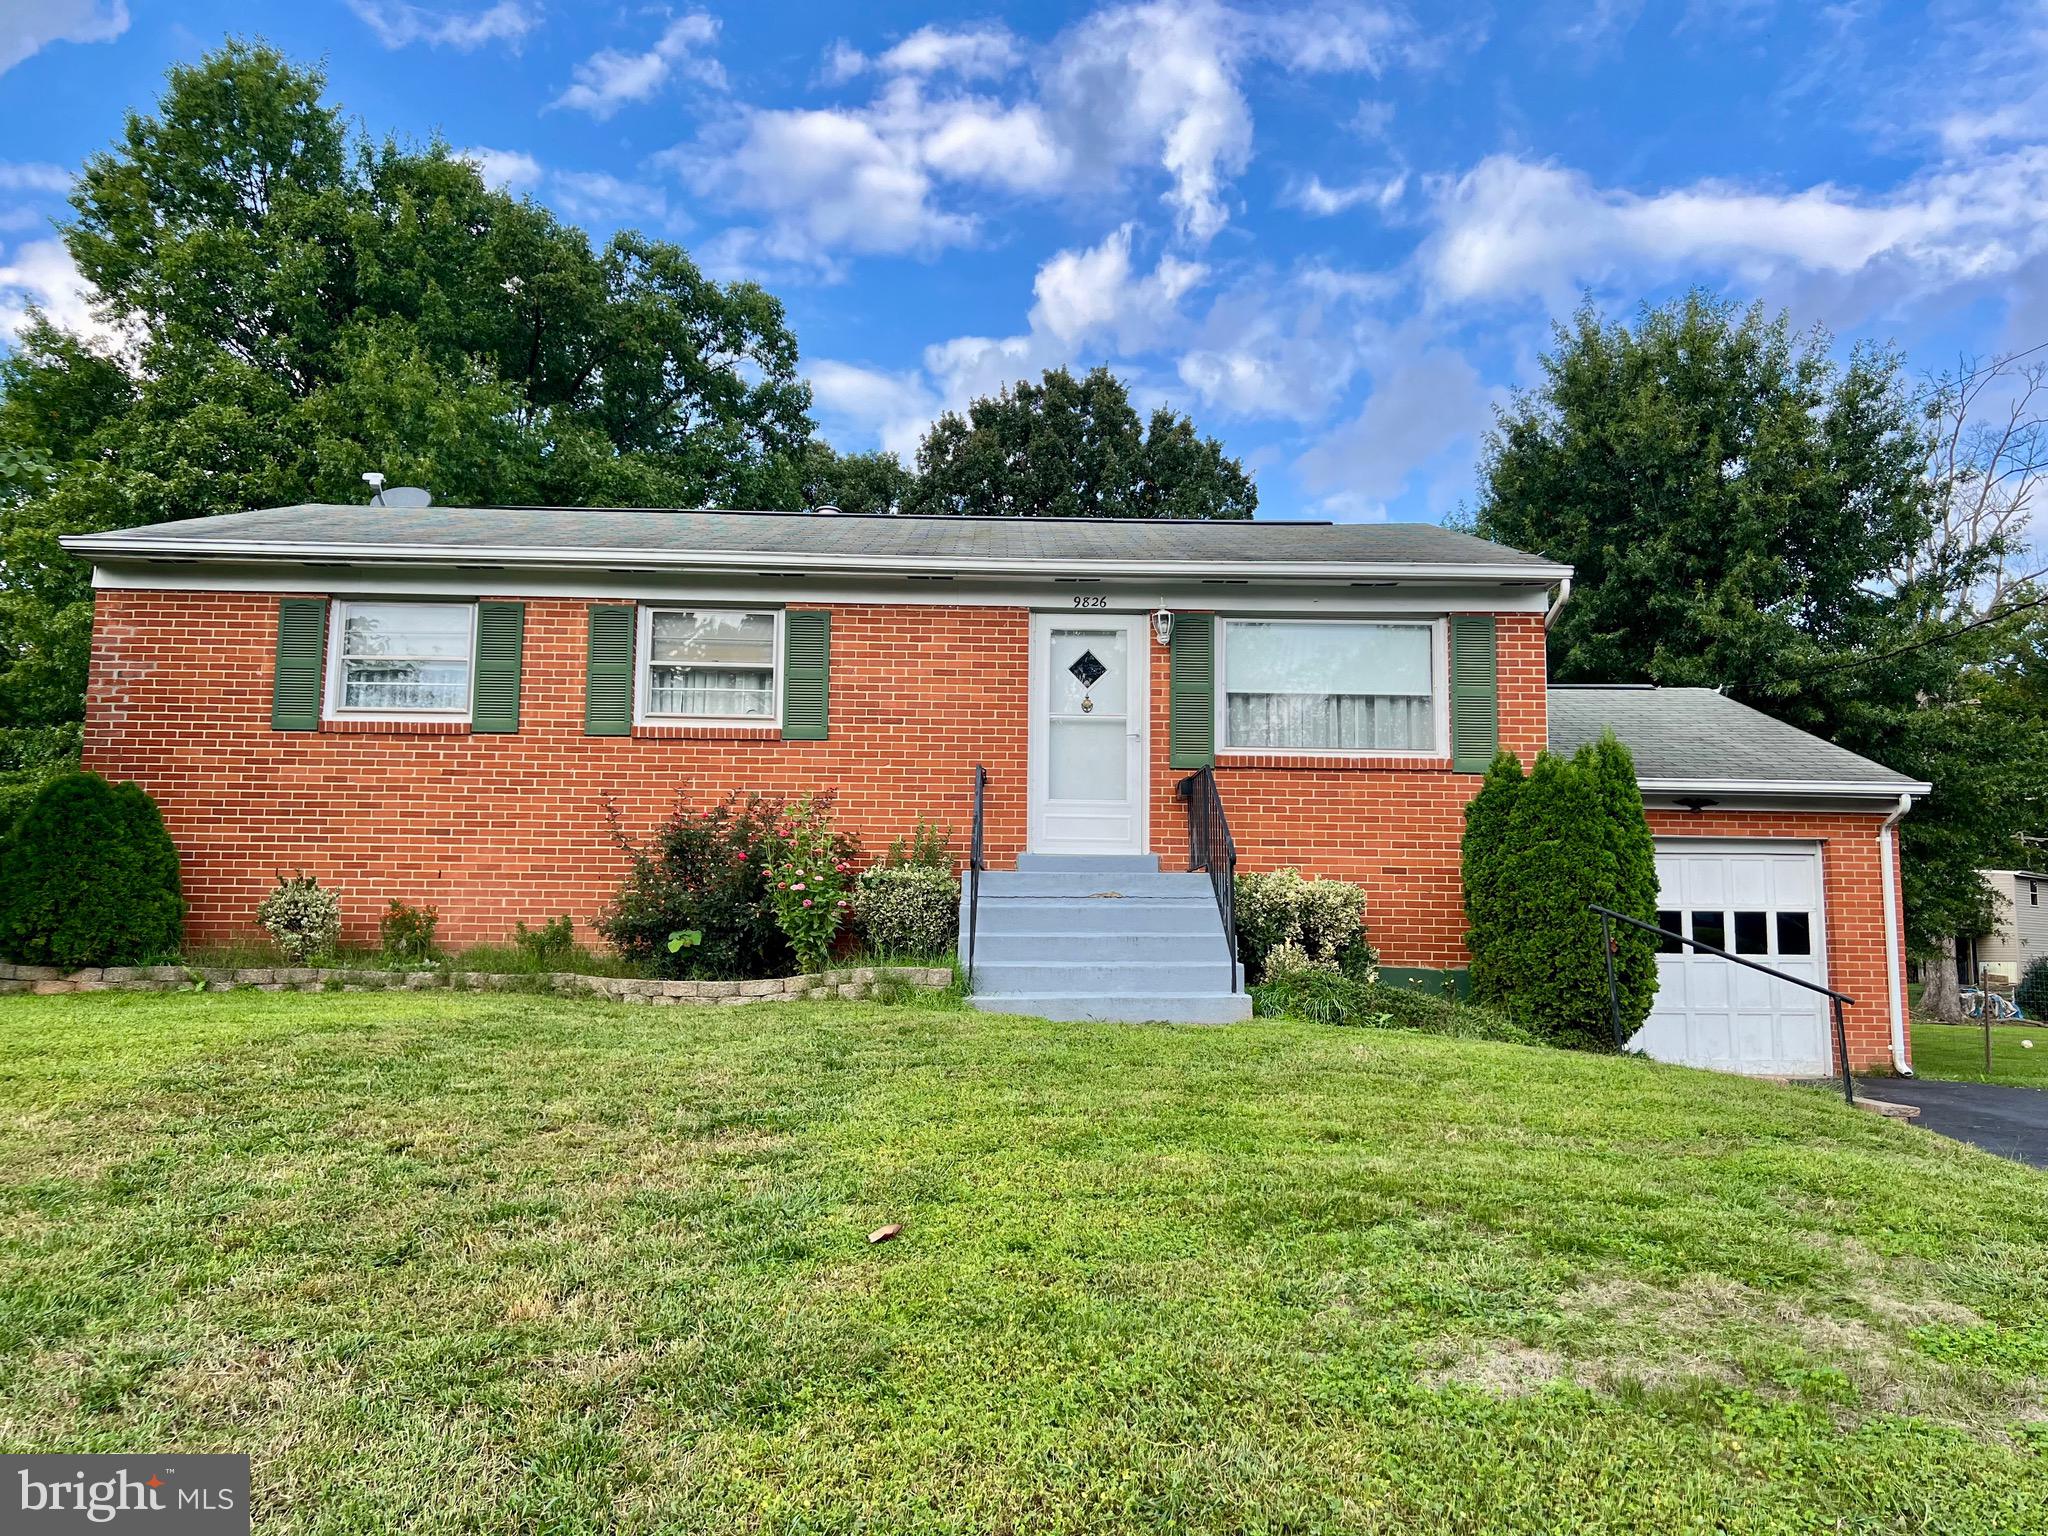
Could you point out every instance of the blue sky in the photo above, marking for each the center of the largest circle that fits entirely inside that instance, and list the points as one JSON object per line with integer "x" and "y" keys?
{"x": 1336, "y": 234}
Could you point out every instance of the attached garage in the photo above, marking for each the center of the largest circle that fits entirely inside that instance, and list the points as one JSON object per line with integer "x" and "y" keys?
{"x": 1776, "y": 846}
{"x": 1760, "y": 898}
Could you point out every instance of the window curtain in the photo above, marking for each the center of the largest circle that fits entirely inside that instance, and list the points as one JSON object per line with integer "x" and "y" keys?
{"x": 713, "y": 691}
{"x": 1331, "y": 722}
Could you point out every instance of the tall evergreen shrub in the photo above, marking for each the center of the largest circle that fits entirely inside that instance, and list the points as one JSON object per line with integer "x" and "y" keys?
{"x": 1538, "y": 853}
{"x": 1611, "y": 768}
{"x": 1483, "y": 852}
{"x": 89, "y": 876}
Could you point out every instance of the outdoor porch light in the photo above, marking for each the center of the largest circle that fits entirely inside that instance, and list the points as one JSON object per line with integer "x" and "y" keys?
{"x": 1162, "y": 626}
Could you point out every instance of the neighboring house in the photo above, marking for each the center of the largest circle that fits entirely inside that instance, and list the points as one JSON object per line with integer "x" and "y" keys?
{"x": 2019, "y": 928}
{"x": 438, "y": 705}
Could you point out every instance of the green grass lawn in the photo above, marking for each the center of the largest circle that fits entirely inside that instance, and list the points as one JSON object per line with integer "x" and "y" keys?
{"x": 1956, "y": 1051}
{"x": 492, "y": 1263}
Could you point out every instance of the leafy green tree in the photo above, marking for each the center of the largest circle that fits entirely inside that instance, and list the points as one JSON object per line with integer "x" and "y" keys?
{"x": 1610, "y": 769}
{"x": 300, "y": 308}
{"x": 1068, "y": 447}
{"x": 867, "y": 483}
{"x": 1745, "y": 513}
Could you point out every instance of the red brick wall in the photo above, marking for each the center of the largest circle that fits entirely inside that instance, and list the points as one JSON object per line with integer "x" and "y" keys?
{"x": 1852, "y": 888}
{"x": 498, "y": 829}
{"x": 1391, "y": 824}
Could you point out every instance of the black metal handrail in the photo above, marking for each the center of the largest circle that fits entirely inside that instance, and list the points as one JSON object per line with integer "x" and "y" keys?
{"x": 977, "y": 861}
{"x": 1609, "y": 917}
{"x": 1211, "y": 847}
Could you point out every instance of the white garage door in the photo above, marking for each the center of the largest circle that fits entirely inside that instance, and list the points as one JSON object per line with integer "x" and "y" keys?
{"x": 1757, "y": 899}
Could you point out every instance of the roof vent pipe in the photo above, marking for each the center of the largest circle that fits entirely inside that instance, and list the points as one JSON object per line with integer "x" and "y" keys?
{"x": 827, "y": 510}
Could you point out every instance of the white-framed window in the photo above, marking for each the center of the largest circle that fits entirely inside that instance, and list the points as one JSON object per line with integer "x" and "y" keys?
{"x": 1364, "y": 687}
{"x": 716, "y": 666}
{"x": 399, "y": 660}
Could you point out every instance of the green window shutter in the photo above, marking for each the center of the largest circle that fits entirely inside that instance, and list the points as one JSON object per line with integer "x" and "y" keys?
{"x": 1475, "y": 693}
{"x": 608, "y": 676}
{"x": 500, "y": 637}
{"x": 301, "y": 660}
{"x": 806, "y": 674}
{"x": 1191, "y": 691}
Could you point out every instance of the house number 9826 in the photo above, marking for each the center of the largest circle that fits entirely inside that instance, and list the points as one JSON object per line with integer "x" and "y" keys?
{"x": 1084, "y": 600}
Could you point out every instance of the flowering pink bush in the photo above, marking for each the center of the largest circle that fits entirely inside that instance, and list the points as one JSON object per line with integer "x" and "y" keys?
{"x": 808, "y": 884}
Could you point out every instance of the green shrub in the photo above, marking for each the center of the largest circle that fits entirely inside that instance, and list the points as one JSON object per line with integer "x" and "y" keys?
{"x": 89, "y": 876}
{"x": 2032, "y": 992}
{"x": 912, "y": 910}
{"x": 1538, "y": 853}
{"x": 302, "y": 916}
{"x": 407, "y": 931}
{"x": 706, "y": 873}
{"x": 807, "y": 886}
{"x": 1324, "y": 919}
{"x": 930, "y": 847}
{"x": 548, "y": 947}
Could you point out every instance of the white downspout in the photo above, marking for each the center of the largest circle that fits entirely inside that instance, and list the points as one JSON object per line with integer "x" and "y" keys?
{"x": 1895, "y": 967}
{"x": 1564, "y": 591}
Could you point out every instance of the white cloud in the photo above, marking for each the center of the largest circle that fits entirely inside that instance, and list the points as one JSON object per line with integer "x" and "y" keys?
{"x": 609, "y": 79}
{"x": 41, "y": 274}
{"x": 1087, "y": 302}
{"x": 823, "y": 181}
{"x": 971, "y": 53}
{"x": 892, "y": 408}
{"x": 32, "y": 177}
{"x": 1319, "y": 199}
{"x": 399, "y": 25}
{"x": 1511, "y": 227}
{"x": 597, "y": 197}
{"x": 27, "y": 27}
{"x": 508, "y": 170}
{"x": 1428, "y": 401}
{"x": 1155, "y": 84}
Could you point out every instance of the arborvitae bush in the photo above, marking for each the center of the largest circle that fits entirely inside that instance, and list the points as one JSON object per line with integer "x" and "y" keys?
{"x": 1539, "y": 852}
{"x": 1611, "y": 768}
{"x": 1484, "y": 851}
{"x": 89, "y": 876}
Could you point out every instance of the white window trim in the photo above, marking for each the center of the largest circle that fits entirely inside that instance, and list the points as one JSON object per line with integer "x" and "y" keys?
{"x": 337, "y": 623}
{"x": 1439, "y": 689}
{"x": 643, "y": 671}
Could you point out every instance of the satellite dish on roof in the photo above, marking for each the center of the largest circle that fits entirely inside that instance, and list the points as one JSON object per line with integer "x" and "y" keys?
{"x": 409, "y": 497}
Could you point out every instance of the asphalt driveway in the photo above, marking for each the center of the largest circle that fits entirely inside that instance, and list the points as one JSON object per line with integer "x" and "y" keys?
{"x": 2013, "y": 1122}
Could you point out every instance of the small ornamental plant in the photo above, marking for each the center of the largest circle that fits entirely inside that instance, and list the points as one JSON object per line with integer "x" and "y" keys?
{"x": 302, "y": 917}
{"x": 408, "y": 931}
{"x": 809, "y": 884}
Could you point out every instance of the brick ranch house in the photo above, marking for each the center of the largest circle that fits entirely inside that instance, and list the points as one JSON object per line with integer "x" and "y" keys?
{"x": 435, "y": 704}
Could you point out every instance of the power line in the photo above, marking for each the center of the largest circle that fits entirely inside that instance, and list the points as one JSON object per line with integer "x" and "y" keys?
{"x": 1921, "y": 644}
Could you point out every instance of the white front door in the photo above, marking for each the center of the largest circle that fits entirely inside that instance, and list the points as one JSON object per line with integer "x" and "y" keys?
{"x": 1091, "y": 690}
{"x": 1760, "y": 900}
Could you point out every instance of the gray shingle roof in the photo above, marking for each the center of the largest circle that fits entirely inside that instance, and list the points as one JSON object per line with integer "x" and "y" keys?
{"x": 1685, "y": 736}
{"x": 535, "y": 532}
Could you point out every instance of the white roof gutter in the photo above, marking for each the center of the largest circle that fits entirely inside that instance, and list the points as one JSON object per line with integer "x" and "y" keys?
{"x": 113, "y": 548}
{"x": 1891, "y": 789}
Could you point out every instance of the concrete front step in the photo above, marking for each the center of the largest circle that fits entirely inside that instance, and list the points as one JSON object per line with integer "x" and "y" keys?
{"x": 1079, "y": 948}
{"x": 1094, "y": 914}
{"x": 1166, "y": 1008}
{"x": 1106, "y": 978}
{"x": 1088, "y": 863}
{"x": 1094, "y": 885}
